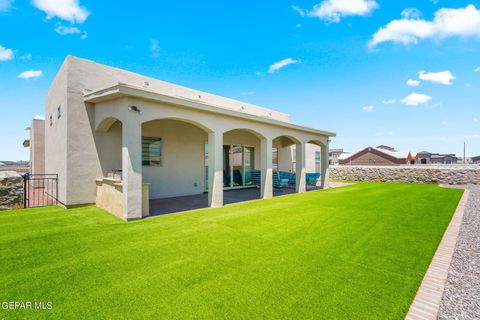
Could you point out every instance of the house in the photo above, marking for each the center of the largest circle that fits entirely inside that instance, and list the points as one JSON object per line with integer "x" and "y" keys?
{"x": 381, "y": 155}
{"x": 334, "y": 155}
{"x": 476, "y": 160}
{"x": 425, "y": 157}
{"x": 121, "y": 140}
{"x": 36, "y": 143}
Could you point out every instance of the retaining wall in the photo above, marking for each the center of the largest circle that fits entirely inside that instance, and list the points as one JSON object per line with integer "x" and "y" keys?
{"x": 11, "y": 190}
{"x": 414, "y": 174}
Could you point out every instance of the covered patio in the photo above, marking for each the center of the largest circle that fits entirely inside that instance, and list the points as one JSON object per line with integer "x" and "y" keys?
{"x": 188, "y": 154}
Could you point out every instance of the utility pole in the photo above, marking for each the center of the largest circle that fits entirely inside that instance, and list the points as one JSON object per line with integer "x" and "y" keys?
{"x": 464, "y": 153}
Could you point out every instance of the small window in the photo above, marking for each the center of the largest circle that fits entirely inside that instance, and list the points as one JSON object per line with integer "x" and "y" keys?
{"x": 151, "y": 151}
{"x": 59, "y": 112}
{"x": 318, "y": 161}
{"x": 51, "y": 121}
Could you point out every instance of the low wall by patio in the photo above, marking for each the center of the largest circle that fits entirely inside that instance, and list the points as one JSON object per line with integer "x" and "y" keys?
{"x": 11, "y": 190}
{"x": 110, "y": 197}
{"x": 446, "y": 174}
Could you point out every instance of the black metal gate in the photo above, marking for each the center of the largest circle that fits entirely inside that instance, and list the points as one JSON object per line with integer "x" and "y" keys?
{"x": 40, "y": 190}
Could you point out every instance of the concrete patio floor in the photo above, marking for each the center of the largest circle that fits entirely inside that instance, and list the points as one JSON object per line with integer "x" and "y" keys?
{"x": 198, "y": 201}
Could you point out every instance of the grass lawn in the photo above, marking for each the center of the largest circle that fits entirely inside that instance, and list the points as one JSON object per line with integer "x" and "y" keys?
{"x": 349, "y": 253}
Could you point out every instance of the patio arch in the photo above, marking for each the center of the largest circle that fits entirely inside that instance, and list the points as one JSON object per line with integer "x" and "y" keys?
{"x": 285, "y": 140}
{"x": 317, "y": 142}
{"x": 106, "y": 124}
{"x": 186, "y": 120}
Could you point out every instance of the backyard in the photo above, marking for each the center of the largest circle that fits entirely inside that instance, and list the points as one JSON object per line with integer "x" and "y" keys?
{"x": 353, "y": 252}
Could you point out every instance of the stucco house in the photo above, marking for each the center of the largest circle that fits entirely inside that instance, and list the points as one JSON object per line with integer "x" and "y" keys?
{"x": 120, "y": 140}
{"x": 425, "y": 157}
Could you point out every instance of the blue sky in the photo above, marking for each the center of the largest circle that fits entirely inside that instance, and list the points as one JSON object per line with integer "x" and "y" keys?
{"x": 341, "y": 65}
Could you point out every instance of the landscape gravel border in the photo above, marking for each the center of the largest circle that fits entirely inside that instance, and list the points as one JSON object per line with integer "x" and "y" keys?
{"x": 427, "y": 301}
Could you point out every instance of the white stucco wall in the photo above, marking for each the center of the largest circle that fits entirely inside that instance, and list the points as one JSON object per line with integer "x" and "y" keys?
{"x": 183, "y": 159}
{"x": 56, "y": 134}
{"x": 37, "y": 147}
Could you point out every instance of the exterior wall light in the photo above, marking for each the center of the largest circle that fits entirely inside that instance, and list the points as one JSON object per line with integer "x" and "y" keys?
{"x": 135, "y": 109}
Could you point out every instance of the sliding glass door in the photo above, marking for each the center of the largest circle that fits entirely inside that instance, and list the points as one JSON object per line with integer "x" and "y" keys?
{"x": 238, "y": 166}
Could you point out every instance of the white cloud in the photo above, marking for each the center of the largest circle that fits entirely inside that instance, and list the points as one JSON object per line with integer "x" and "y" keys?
{"x": 477, "y": 69}
{"x": 30, "y": 74}
{"x": 26, "y": 57}
{"x": 413, "y": 83}
{"x": 472, "y": 136}
{"x": 5, "y": 5}
{"x": 281, "y": 64}
{"x": 414, "y": 99}
{"x": 64, "y": 30}
{"x": 411, "y": 13}
{"x": 69, "y": 10}
{"x": 6, "y": 54}
{"x": 368, "y": 108}
{"x": 39, "y": 117}
{"x": 443, "y": 77}
{"x": 389, "y": 101}
{"x": 334, "y": 10}
{"x": 154, "y": 48}
{"x": 84, "y": 35}
{"x": 462, "y": 22}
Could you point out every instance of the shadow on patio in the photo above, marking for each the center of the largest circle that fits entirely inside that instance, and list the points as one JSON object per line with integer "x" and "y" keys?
{"x": 198, "y": 201}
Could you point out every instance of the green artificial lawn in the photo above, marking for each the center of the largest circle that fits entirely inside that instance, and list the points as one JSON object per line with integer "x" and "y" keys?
{"x": 355, "y": 252}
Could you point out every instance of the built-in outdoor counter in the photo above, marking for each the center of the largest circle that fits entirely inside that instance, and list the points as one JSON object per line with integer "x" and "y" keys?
{"x": 110, "y": 196}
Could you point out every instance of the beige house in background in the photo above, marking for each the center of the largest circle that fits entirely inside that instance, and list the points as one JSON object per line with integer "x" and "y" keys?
{"x": 120, "y": 139}
{"x": 37, "y": 146}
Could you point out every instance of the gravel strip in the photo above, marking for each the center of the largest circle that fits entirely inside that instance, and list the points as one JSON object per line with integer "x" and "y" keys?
{"x": 461, "y": 299}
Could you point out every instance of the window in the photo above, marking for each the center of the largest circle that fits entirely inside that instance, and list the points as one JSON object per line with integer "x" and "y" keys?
{"x": 317, "y": 161}
{"x": 274, "y": 159}
{"x": 151, "y": 151}
{"x": 59, "y": 112}
{"x": 51, "y": 121}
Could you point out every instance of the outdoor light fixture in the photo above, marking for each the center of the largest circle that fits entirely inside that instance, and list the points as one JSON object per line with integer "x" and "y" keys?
{"x": 135, "y": 109}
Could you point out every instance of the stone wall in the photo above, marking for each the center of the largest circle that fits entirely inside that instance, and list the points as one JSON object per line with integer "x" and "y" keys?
{"x": 447, "y": 174}
{"x": 11, "y": 190}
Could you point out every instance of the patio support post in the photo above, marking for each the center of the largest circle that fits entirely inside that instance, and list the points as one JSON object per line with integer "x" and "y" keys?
{"x": 324, "y": 174}
{"x": 300, "y": 167}
{"x": 132, "y": 170}
{"x": 215, "y": 169}
{"x": 266, "y": 167}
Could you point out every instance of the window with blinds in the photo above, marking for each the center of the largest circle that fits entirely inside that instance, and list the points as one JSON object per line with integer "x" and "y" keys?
{"x": 151, "y": 151}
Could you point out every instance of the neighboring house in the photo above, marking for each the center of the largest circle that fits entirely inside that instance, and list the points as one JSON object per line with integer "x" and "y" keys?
{"x": 2, "y": 164}
{"x": 36, "y": 143}
{"x": 334, "y": 155}
{"x": 476, "y": 160}
{"x": 425, "y": 157}
{"x": 377, "y": 156}
{"x": 118, "y": 139}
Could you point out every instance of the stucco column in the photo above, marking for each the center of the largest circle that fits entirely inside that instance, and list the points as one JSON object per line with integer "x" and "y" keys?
{"x": 266, "y": 190}
{"x": 324, "y": 171}
{"x": 215, "y": 169}
{"x": 301, "y": 165}
{"x": 132, "y": 169}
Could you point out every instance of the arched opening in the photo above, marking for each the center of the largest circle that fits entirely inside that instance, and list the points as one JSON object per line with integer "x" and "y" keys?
{"x": 423, "y": 161}
{"x": 241, "y": 165}
{"x": 284, "y": 165}
{"x": 174, "y": 164}
{"x": 109, "y": 147}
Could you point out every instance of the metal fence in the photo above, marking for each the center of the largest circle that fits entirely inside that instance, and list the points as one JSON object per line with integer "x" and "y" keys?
{"x": 40, "y": 190}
